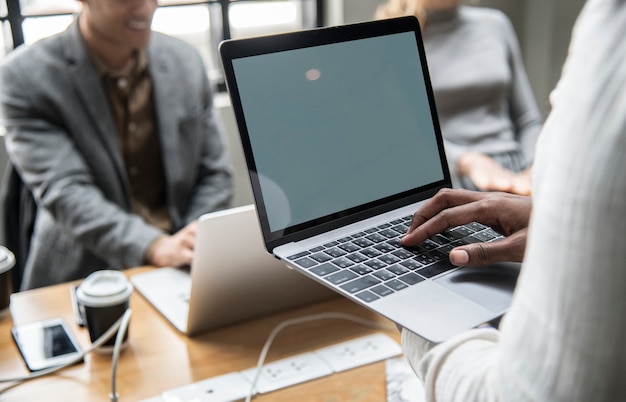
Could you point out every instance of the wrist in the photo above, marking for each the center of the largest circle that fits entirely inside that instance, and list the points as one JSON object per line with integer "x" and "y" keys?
{"x": 151, "y": 256}
{"x": 465, "y": 162}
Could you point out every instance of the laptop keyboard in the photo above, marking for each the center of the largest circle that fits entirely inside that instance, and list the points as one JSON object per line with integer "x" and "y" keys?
{"x": 372, "y": 263}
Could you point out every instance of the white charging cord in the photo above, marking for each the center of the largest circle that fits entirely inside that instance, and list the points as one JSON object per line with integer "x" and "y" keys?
{"x": 121, "y": 324}
{"x": 300, "y": 320}
{"x": 113, "y": 397}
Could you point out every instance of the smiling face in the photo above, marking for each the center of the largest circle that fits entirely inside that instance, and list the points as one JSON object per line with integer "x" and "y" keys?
{"x": 114, "y": 29}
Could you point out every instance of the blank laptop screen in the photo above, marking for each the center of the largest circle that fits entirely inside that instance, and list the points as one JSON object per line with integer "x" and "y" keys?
{"x": 337, "y": 126}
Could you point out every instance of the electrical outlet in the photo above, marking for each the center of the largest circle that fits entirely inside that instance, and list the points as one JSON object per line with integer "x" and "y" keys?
{"x": 224, "y": 388}
{"x": 354, "y": 353}
{"x": 286, "y": 372}
{"x": 290, "y": 371}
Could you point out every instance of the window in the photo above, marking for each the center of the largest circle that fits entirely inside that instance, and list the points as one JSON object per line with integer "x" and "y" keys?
{"x": 203, "y": 24}
{"x": 5, "y": 31}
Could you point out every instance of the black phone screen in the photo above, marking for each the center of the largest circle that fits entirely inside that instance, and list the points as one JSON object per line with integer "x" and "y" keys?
{"x": 56, "y": 342}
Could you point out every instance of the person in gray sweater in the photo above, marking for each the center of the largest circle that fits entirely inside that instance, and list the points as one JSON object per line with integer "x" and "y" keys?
{"x": 488, "y": 114}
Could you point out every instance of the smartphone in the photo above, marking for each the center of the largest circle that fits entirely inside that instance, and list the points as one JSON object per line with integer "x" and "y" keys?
{"x": 47, "y": 343}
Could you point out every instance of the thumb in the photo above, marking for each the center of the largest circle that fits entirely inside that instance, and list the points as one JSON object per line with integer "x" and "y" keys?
{"x": 510, "y": 249}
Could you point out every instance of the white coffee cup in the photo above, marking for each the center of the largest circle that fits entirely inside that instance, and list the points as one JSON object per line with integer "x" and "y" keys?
{"x": 7, "y": 262}
{"x": 102, "y": 298}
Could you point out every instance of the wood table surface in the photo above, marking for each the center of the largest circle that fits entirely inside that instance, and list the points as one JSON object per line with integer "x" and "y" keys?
{"x": 158, "y": 358}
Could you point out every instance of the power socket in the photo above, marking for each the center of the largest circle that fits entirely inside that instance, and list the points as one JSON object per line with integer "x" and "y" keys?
{"x": 354, "y": 353}
{"x": 225, "y": 388}
{"x": 286, "y": 372}
{"x": 290, "y": 371}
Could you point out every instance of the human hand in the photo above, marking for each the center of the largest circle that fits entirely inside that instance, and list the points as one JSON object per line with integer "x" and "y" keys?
{"x": 173, "y": 250}
{"x": 488, "y": 175}
{"x": 507, "y": 214}
{"x": 522, "y": 182}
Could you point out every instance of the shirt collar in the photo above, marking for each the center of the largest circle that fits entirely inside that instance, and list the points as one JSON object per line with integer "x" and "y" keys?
{"x": 137, "y": 66}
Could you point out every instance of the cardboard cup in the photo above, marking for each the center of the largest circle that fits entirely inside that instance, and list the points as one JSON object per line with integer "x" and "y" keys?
{"x": 102, "y": 298}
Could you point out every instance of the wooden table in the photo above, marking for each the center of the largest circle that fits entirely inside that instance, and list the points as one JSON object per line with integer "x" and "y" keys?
{"x": 158, "y": 358}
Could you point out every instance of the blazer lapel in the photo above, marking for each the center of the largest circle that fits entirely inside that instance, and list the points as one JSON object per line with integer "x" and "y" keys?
{"x": 167, "y": 109}
{"x": 89, "y": 88}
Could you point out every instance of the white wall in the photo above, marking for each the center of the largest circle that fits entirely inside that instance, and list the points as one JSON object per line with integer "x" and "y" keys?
{"x": 243, "y": 191}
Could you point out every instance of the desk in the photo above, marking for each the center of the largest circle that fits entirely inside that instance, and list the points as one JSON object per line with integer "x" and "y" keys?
{"x": 158, "y": 358}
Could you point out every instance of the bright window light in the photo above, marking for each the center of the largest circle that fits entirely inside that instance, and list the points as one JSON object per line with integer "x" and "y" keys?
{"x": 182, "y": 20}
{"x": 40, "y": 7}
{"x": 36, "y": 28}
{"x": 6, "y": 42}
{"x": 249, "y": 15}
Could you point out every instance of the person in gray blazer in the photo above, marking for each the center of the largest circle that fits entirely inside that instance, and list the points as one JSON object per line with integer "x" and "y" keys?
{"x": 111, "y": 126}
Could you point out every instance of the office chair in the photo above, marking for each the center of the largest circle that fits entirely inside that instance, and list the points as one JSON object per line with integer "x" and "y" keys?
{"x": 19, "y": 211}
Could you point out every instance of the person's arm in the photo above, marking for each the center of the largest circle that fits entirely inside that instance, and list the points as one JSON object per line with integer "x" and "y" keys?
{"x": 508, "y": 214}
{"x": 563, "y": 337}
{"x": 173, "y": 250}
{"x": 488, "y": 175}
{"x": 462, "y": 366}
{"x": 524, "y": 112}
{"x": 59, "y": 178}
{"x": 526, "y": 123}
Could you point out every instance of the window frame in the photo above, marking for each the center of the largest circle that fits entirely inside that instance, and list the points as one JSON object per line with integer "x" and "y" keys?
{"x": 15, "y": 18}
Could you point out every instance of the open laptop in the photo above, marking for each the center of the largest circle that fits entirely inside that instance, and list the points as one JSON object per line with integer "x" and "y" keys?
{"x": 232, "y": 278}
{"x": 342, "y": 143}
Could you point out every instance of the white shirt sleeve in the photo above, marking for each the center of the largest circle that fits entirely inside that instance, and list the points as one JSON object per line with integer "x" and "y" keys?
{"x": 563, "y": 338}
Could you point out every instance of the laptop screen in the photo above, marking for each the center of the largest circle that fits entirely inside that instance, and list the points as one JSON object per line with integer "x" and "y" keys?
{"x": 337, "y": 127}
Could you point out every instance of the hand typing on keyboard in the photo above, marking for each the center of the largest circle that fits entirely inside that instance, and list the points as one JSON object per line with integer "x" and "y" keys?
{"x": 372, "y": 263}
{"x": 507, "y": 214}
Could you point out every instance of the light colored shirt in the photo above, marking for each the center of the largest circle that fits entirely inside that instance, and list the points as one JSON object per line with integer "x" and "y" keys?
{"x": 563, "y": 338}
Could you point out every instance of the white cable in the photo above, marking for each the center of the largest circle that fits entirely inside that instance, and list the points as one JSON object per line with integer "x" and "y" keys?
{"x": 99, "y": 342}
{"x": 119, "y": 338}
{"x": 122, "y": 324}
{"x": 299, "y": 320}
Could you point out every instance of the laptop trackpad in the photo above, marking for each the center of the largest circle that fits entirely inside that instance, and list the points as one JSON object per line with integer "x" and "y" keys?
{"x": 491, "y": 286}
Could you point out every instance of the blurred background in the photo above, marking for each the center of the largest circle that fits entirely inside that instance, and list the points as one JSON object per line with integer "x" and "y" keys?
{"x": 542, "y": 26}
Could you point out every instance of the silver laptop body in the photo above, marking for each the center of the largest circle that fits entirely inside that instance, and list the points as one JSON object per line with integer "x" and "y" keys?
{"x": 232, "y": 278}
{"x": 341, "y": 138}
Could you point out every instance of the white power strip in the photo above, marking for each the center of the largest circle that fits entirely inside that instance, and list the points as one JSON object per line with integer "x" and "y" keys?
{"x": 286, "y": 372}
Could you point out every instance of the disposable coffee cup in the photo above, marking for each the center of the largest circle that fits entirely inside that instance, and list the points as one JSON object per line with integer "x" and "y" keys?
{"x": 102, "y": 299}
{"x": 7, "y": 261}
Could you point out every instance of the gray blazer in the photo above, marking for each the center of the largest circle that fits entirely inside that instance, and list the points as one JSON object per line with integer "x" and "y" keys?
{"x": 61, "y": 137}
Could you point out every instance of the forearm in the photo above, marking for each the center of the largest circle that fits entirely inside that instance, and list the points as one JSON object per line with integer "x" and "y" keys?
{"x": 525, "y": 115}
{"x": 63, "y": 187}
{"x": 460, "y": 369}
{"x": 454, "y": 153}
{"x": 98, "y": 225}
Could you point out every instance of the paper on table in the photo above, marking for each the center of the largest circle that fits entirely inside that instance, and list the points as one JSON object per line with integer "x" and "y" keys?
{"x": 403, "y": 385}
